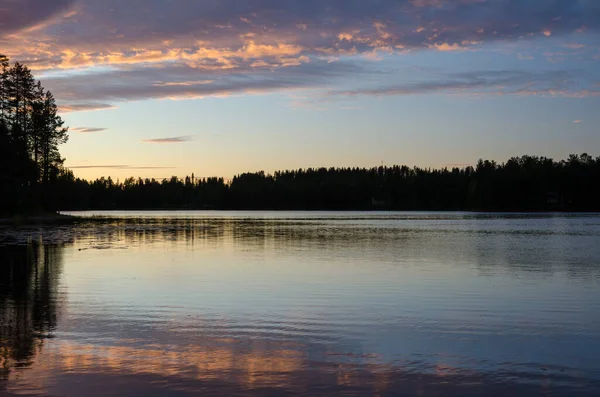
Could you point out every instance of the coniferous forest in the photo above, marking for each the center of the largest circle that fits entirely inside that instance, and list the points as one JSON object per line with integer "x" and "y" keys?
{"x": 521, "y": 184}
{"x": 30, "y": 134}
{"x": 33, "y": 179}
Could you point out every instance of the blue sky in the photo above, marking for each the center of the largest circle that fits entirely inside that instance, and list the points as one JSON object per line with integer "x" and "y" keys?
{"x": 159, "y": 88}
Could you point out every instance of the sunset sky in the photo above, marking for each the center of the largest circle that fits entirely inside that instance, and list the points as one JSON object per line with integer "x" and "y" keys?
{"x": 155, "y": 88}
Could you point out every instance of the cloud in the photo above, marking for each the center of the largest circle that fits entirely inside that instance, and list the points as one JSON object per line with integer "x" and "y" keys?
{"x": 220, "y": 34}
{"x": 84, "y": 130}
{"x": 84, "y": 107}
{"x": 118, "y": 167}
{"x": 577, "y": 121}
{"x": 498, "y": 82}
{"x": 182, "y": 83}
{"x": 16, "y": 15}
{"x": 189, "y": 48}
{"x": 95, "y": 90}
{"x": 176, "y": 139}
{"x": 459, "y": 165}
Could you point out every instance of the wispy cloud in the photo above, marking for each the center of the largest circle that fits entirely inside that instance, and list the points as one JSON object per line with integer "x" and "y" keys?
{"x": 118, "y": 167}
{"x": 26, "y": 14}
{"x": 577, "y": 121}
{"x": 94, "y": 90}
{"x": 459, "y": 165}
{"x": 84, "y": 107}
{"x": 564, "y": 83}
{"x": 85, "y": 130}
{"x": 175, "y": 139}
{"x": 182, "y": 83}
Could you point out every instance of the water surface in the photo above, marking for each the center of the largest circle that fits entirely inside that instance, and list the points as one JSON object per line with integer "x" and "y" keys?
{"x": 292, "y": 303}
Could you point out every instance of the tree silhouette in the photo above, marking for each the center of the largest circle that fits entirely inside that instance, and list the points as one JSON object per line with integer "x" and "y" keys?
{"x": 31, "y": 132}
{"x": 524, "y": 183}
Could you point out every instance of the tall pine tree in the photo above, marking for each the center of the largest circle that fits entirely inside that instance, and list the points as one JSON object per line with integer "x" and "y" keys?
{"x": 31, "y": 132}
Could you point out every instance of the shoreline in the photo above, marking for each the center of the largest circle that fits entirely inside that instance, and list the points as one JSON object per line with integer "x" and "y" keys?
{"x": 46, "y": 219}
{"x": 73, "y": 217}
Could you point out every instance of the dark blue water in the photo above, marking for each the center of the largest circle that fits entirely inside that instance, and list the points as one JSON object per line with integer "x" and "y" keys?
{"x": 315, "y": 304}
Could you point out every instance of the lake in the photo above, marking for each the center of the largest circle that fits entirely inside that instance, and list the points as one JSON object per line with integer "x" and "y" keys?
{"x": 298, "y": 303}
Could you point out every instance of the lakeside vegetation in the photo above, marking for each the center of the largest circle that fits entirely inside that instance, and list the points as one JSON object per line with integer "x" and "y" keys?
{"x": 521, "y": 184}
{"x": 31, "y": 132}
{"x": 34, "y": 181}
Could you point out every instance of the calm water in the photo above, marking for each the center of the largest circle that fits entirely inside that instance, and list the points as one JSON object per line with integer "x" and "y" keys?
{"x": 313, "y": 304}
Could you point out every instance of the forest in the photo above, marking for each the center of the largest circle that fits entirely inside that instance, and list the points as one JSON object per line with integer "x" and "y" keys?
{"x": 524, "y": 183}
{"x": 31, "y": 132}
{"x": 33, "y": 177}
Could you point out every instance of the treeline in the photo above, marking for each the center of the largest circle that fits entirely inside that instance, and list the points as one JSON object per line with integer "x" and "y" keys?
{"x": 521, "y": 184}
{"x": 30, "y": 133}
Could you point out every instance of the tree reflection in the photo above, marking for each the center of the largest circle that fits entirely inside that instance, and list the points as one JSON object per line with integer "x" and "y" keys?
{"x": 29, "y": 294}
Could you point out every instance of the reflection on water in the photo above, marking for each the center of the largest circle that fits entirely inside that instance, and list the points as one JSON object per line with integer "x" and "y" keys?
{"x": 28, "y": 302}
{"x": 296, "y": 304}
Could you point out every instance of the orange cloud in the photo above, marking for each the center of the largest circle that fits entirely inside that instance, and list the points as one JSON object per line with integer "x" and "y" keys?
{"x": 447, "y": 47}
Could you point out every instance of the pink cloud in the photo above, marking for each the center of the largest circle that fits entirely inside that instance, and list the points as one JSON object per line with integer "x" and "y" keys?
{"x": 208, "y": 43}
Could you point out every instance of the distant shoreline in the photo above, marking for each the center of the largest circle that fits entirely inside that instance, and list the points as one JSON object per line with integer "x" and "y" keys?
{"x": 73, "y": 216}
{"x": 73, "y": 213}
{"x": 100, "y": 217}
{"x": 38, "y": 219}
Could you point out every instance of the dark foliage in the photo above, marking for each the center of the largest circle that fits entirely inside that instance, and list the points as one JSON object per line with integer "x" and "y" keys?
{"x": 521, "y": 184}
{"x": 30, "y": 133}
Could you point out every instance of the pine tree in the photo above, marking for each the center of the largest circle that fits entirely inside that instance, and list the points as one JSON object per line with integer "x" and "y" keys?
{"x": 4, "y": 67}
{"x": 20, "y": 90}
{"x": 31, "y": 132}
{"x": 52, "y": 135}
{"x": 39, "y": 124}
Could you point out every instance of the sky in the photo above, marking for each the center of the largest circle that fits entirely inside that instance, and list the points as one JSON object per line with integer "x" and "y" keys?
{"x": 156, "y": 88}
